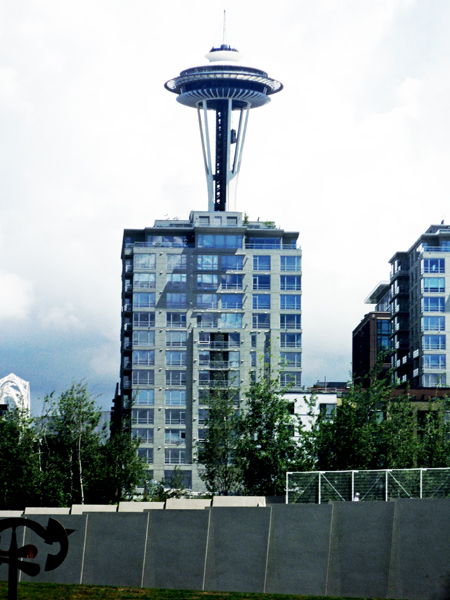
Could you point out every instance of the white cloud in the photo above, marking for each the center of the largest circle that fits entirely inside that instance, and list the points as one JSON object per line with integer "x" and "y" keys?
{"x": 16, "y": 296}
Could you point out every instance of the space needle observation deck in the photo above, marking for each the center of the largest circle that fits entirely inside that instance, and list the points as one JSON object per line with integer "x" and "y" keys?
{"x": 229, "y": 91}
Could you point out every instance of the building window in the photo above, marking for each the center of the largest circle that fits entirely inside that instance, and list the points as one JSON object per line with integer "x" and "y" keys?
{"x": 203, "y": 220}
{"x": 144, "y": 358}
{"x": 290, "y": 321}
{"x": 175, "y": 377}
{"x": 293, "y": 302}
{"x": 177, "y": 300}
{"x": 128, "y": 266}
{"x": 176, "y": 339}
{"x": 383, "y": 334}
{"x": 202, "y": 415}
{"x": 261, "y": 302}
{"x": 176, "y": 261}
{"x": 434, "y": 379}
{"x": 231, "y": 242}
{"x": 261, "y": 282}
{"x": 290, "y": 263}
{"x": 262, "y": 243}
{"x": 231, "y": 320}
{"x": 207, "y": 281}
{"x": 231, "y": 301}
{"x": 232, "y": 221}
{"x": 176, "y": 319}
{"x": 207, "y": 320}
{"x": 293, "y": 379}
{"x": 253, "y": 340}
{"x": 433, "y": 284}
{"x": 175, "y": 397}
{"x": 261, "y": 263}
{"x": 233, "y": 262}
{"x": 187, "y": 478}
{"x": 291, "y": 340}
{"x": 143, "y": 377}
{"x": 326, "y": 411}
{"x": 144, "y": 319}
{"x": 175, "y": 416}
{"x": 176, "y": 280}
{"x": 144, "y": 261}
{"x": 434, "y": 342}
{"x": 175, "y": 358}
{"x": 175, "y": 436}
{"x": 207, "y": 262}
{"x": 145, "y": 435}
{"x": 144, "y": 280}
{"x": 253, "y": 359}
{"x": 146, "y": 397}
{"x": 260, "y": 321}
{"x": 173, "y": 456}
{"x": 142, "y": 416}
{"x": 434, "y": 361}
{"x": 167, "y": 241}
{"x": 146, "y": 454}
{"x": 144, "y": 300}
{"x": 433, "y": 265}
{"x": 433, "y": 323}
{"x": 143, "y": 338}
{"x": 207, "y": 300}
{"x": 433, "y": 304}
{"x": 291, "y": 359}
{"x": 290, "y": 282}
{"x": 231, "y": 282}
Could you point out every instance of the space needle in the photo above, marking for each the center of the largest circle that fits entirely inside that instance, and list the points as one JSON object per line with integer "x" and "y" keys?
{"x": 228, "y": 91}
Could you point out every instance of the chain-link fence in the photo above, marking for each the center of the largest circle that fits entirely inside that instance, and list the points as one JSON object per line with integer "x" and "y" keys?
{"x": 343, "y": 486}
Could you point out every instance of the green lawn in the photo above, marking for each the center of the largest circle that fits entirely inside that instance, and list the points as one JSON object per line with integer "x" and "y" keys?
{"x": 48, "y": 591}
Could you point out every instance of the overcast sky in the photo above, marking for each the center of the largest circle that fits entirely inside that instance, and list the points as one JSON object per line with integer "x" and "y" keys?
{"x": 353, "y": 153}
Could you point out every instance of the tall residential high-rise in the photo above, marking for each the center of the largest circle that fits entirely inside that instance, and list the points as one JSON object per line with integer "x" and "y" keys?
{"x": 204, "y": 299}
{"x": 420, "y": 310}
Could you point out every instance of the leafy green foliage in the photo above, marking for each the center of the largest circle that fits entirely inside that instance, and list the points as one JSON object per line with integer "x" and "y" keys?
{"x": 63, "y": 458}
{"x": 266, "y": 448}
{"x": 216, "y": 453}
{"x": 163, "y": 490}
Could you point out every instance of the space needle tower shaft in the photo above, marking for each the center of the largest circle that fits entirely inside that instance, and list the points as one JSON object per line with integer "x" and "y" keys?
{"x": 227, "y": 91}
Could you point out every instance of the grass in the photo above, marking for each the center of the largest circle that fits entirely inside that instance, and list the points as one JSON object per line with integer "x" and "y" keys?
{"x": 51, "y": 591}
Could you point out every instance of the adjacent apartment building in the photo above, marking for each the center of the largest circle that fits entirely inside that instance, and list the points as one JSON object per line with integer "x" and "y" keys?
{"x": 420, "y": 310}
{"x": 203, "y": 301}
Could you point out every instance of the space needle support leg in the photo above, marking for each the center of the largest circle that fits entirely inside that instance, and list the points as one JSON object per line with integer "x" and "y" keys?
{"x": 206, "y": 148}
{"x": 240, "y": 141}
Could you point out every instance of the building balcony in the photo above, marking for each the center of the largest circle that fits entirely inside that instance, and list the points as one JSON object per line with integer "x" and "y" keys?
{"x": 219, "y": 364}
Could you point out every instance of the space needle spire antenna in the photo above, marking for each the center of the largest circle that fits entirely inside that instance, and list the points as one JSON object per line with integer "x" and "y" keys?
{"x": 223, "y": 92}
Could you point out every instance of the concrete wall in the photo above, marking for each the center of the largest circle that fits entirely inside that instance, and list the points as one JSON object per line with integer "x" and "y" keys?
{"x": 395, "y": 549}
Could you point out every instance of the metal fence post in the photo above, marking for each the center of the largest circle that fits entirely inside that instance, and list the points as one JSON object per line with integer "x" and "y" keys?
{"x": 386, "y": 493}
{"x": 320, "y": 487}
{"x": 353, "y": 486}
{"x": 421, "y": 483}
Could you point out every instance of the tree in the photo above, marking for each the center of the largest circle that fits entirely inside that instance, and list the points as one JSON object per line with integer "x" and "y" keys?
{"x": 266, "y": 448}
{"x": 19, "y": 464}
{"x": 78, "y": 463}
{"x": 216, "y": 452}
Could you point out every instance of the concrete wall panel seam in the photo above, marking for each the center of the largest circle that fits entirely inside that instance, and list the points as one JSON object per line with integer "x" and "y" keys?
{"x": 84, "y": 550}
{"x": 268, "y": 549}
{"x": 329, "y": 546}
{"x": 206, "y": 548}
{"x": 145, "y": 549}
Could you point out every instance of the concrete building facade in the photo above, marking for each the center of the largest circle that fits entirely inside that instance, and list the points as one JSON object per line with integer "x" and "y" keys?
{"x": 204, "y": 301}
{"x": 420, "y": 310}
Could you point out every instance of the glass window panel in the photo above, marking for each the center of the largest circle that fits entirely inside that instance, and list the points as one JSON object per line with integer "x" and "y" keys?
{"x": 207, "y": 262}
{"x": 144, "y": 300}
{"x": 433, "y": 304}
{"x": 176, "y": 338}
{"x": 145, "y": 397}
{"x": 140, "y": 377}
{"x": 176, "y": 261}
{"x": 261, "y": 282}
{"x": 176, "y": 319}
{"x": 143, "y": 338}
{"x": 260, "y": 321}
{"x": 175, "y": 397}
{"x": 290, "y": 302}
{"x": 231, "y": 301}
{"x": 232, "y": 263}
{"x": 175, "y": 358}
{"x": 290, "y": 263}
{"x": 207, "y": 300}
{"x": 144, "y": 319}
{"x": 231, "y": 320}
{"x": 144, "y": 261}
{"x": 176, "y": 280}
{"x": 144, "y": 357}
{"x": 290, "y": 282}
{"x": 261, "y": 263}
{"x": 261, "y": 301}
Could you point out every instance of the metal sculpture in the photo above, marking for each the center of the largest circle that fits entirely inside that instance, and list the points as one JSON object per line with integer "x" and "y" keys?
{"x": 54, "y": 532}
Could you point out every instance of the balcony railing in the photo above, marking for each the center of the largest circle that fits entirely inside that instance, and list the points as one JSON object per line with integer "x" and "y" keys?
{"x": 218, "y": 344}
{"x": 219, "y": 364}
